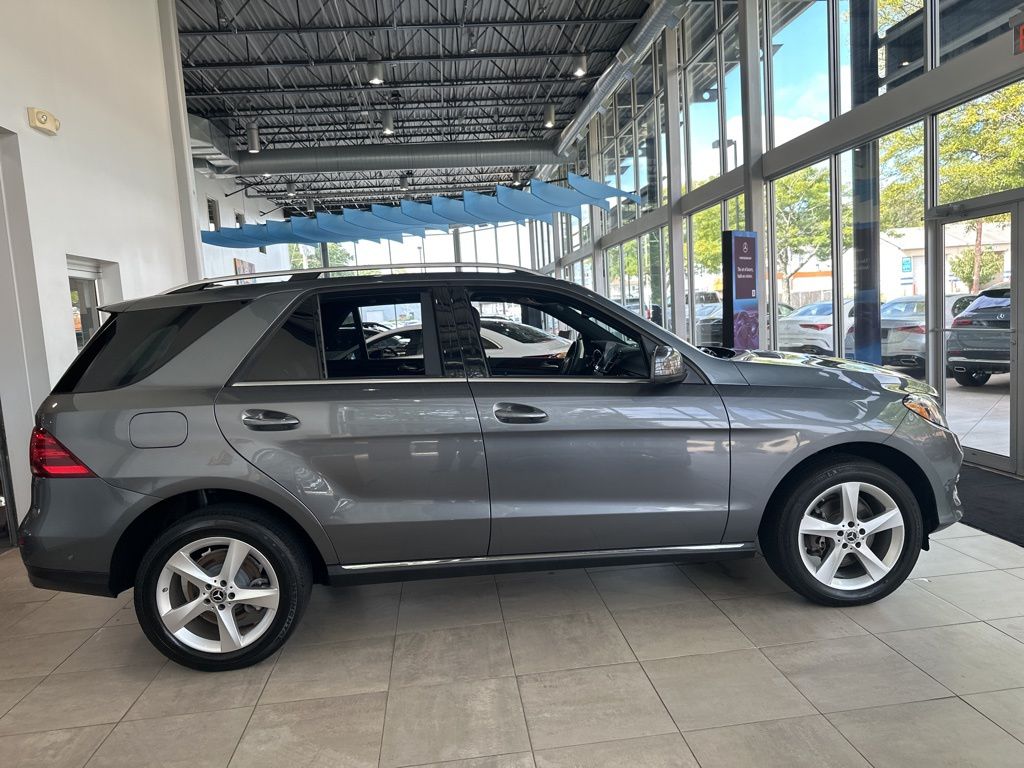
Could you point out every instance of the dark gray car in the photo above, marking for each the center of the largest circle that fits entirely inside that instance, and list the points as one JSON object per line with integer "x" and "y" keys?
{"x": 223, "y": 447}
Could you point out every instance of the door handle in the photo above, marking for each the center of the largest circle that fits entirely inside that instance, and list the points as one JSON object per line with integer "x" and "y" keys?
{"x": 517, "y": 413}
{"x": 268, "y": 421}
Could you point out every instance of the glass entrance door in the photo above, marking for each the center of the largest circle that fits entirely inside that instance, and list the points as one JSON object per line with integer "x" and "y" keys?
{"x": 979, "y": 258}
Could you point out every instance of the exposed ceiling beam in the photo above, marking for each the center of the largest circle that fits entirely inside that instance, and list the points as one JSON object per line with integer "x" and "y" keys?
{"x": 354, "y": 109}
{"x": 313, "y": 63}
{"x": 385, "y": 90}
{"x": 404, "y": 27}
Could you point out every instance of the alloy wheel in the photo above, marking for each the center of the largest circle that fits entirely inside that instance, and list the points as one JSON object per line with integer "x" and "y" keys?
{"x": 851, "y": 535}
{"x": 217, "y": 594}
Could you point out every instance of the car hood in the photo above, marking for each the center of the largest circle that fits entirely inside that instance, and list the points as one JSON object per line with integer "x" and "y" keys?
{"x": 790, "y": 369}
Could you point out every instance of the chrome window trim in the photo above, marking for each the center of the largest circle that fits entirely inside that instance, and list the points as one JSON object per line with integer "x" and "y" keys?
{"x": 552, "y": 556}
{"x": 557, "y": 380}
{"x": 321, "y": 382}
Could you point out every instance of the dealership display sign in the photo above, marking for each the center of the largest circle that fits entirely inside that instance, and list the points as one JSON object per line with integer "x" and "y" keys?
{"x": 741, "y": 272}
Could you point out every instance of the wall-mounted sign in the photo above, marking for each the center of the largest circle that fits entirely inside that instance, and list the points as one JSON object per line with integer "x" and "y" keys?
{"x": 907, "y": 264}
{"x": 741, "y": 269}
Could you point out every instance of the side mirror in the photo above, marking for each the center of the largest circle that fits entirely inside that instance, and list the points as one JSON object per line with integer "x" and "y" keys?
{"x": 668, "y": 365}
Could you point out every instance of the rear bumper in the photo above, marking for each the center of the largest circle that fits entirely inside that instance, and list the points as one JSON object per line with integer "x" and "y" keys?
{"x": 83, "y": 582}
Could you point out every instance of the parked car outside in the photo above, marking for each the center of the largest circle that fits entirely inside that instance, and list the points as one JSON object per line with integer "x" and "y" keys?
{"x": 215, "y": 450}
{"x": 709, "y": 327}
{"x": 809, "y": 328}
{"x": 979, "y": 340}
{"x": 501, "y": 338}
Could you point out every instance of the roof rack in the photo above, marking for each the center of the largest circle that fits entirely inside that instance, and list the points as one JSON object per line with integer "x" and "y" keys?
{"x": 299, "y": 275}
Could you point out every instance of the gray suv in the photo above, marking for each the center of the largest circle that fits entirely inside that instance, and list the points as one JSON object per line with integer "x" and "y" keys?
{"x": 222, "y": 447}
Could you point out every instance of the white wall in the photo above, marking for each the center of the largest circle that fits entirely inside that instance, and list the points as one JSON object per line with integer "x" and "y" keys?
{"x": 103, "y": 188}
{"x": 219, "y": 261}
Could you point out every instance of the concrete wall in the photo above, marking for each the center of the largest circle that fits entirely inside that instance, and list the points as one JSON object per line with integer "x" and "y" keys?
{"x": 103, "y": 188}
{"x": 219, "y": 261}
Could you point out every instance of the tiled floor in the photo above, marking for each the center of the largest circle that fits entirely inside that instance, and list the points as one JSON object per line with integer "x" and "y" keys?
{"x": 709, "y": 665}
{"x": 981, "y": 415}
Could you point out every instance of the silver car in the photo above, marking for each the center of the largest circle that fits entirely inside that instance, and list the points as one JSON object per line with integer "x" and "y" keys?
{"x": 223, "y": 447}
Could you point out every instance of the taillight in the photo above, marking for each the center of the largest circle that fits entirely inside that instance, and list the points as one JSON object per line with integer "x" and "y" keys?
{"x": 911, "y": 329}
{"x": 816, "y": 326}
{"x": 960, "y": 322}
{"x": 49, "y": 458}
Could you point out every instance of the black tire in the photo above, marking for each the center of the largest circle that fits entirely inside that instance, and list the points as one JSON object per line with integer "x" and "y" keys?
{"x": 274, "y": 541}
{"x": 780, "y": 540}
{"x": 972, "y": 378}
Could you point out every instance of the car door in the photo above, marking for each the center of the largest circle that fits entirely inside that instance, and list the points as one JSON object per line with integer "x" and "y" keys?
{"x": 583, "y": 462}
{"x": 384, "y": 448}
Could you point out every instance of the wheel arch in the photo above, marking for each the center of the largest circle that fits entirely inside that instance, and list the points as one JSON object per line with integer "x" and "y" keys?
{"x": 143, "y": 530}
{"x": 880, "y": 453}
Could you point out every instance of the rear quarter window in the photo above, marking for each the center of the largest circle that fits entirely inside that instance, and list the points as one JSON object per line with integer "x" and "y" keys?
{"x": 135, "y": 344}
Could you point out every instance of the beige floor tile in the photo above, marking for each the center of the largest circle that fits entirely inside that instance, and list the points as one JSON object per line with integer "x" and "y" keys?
{"x": 335, "y": 614}
{"x": 665, "y": 751}
{"x": 123, "y": 617}
{"x": 786, "y": 618}
{"x": 569, "y": 641}
{"x": 987, "y": 595}
{"x": 177, "y": 690}
{"x": 679, "y": 630}
{"x": 124, "y": 646}
{"x": 1013, "y": 627}
{"x": 645, "y": 587}
{"x": 446, "y": 655}
{"x": 15, "y": 595}
{"x": 966, "y": 658}
{"x": 520, "y": 760}
{"x": 743, "y": 577}
{"x": 330, "y": 669}
{"x": 452, "y": 722}
{"x": 852, "y": 672}
{"x": 67, "y": 612}
{"x": 315, "y": 733}
{"x": 1004, "y": 708}
{"x": 528, "y": 596}
{"x": 583, "y": 706}
{"x": 417, "y": 587}
{"x": 939, "y": 734}
{"x": 458, "y": 605}
{"x": 989, "y": 549}
{"x": 724, "y": 689}
{"x": 14, "y": 690}
{"x": 202, "y": 740}
{"x": 13, "y": 613}
{"x": 67, "y": 748}
{"x": 956, "y": 531}
{"x": 799, "y": 742}
{"x": 74, "y": 699}
{"x": 38, "y": 654}
{"x": 941, "y": 560}
{"x": 909, "y": 607}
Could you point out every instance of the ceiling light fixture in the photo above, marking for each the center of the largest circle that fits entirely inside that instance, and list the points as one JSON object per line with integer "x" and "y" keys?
{"x": 310, "y": 207}
{"x": 405, "y": 182}
{"x": 289, "y": 188}
{"x": 549, "y": 116}
{"x": 266, "y": 175}
{"x": 375, "y": 72}
{"x": 517, "y": 178}
{"x": 387, "y": 120}
{"x": 252, "y": 137}
{"x": 579, "y": 65}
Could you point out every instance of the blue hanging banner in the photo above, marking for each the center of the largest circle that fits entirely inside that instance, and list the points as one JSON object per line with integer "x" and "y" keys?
{"x": 741, "y": 270}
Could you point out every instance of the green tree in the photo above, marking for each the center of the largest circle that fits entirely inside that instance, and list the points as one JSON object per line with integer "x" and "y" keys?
{"x": 803, "y": 225}
{"x": 989, "y": 267}
{"x": 308, "y": 256}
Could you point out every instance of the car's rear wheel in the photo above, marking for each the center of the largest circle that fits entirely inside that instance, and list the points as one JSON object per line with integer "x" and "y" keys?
{"x": 972, "y": 378}
{"x": 222, "y": 588}
{"x": 848, "y": 533}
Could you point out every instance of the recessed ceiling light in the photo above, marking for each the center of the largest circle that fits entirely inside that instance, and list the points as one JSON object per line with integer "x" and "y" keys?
{"x": 579, "y": 65}
{"x": 549, "y": 116}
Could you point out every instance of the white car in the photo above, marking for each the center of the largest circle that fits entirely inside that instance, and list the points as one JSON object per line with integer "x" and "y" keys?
{"x": 809, "y": 328}
{"x": 501, "y": 338}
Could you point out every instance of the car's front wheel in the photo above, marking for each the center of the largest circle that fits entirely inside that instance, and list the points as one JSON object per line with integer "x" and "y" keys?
{"x": 848, "y": 533}
{"x": 222, "y": 588}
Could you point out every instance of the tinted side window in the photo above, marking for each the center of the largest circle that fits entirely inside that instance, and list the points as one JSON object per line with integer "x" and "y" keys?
{"x": 291, "y": 353}
{"x": 353, "y": 348}
{"x": 135, "y": 344}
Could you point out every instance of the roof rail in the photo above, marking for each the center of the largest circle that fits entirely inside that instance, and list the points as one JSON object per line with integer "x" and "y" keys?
{"x": 318, "y": 272}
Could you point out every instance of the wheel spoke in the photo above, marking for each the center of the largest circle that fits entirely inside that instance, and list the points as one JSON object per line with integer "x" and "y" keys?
{"x": 186, "y": 567}
{"x": 176, "y": 618}
{"x": 883, "y": 522}
{"x": 827, "y": 571}
{"x": 875, "y": 568}
{"x": 815, "y": 526}
{"x": 236, "y": 554}
{"x": 851, "y": 497}
{"x": 230, "y": 636}
{"x": 260, "y": 598}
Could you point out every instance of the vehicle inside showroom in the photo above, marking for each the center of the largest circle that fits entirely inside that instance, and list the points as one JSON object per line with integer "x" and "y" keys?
{"x": 511, "y": 383}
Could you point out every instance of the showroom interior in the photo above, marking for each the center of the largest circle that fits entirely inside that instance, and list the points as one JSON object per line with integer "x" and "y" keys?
{"x": 873, "y": 148}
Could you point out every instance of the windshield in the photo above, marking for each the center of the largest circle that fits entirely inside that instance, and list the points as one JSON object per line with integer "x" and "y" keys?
{"x": 903, "y": 308}
{"x": 820, "y": 309}
{"x": 999, "y": 297}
